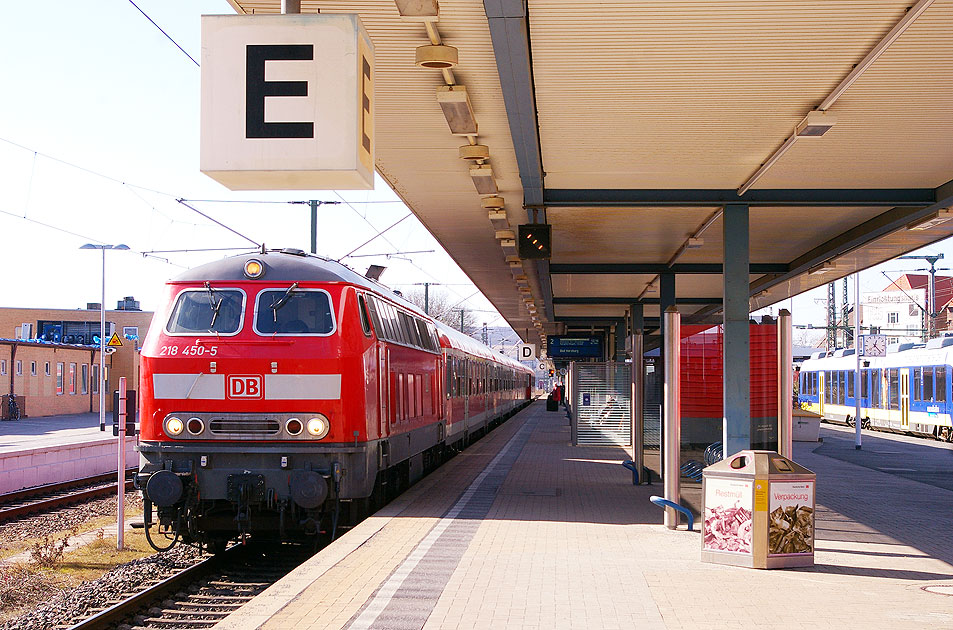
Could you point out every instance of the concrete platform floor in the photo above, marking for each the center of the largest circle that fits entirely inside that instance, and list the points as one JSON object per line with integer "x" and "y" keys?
{"x": 46, "y": 431}
{"x": 523, "y": 530}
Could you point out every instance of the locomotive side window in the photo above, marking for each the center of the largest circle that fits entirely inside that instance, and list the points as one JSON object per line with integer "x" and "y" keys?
{"x": 375, "y": 316}
{"x": 365, "y": 320}
{"x": 294, "y": 311}
{"x": 207, "y": 311}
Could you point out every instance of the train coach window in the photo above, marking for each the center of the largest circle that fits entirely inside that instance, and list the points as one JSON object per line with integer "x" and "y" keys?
{"x": 928, "y": 384}
{"x": 917, "y": 379}
{"x": 207, "y": 311}
{"x": 876, "y": 390}
{"x": 893, "y": 388}
{"x": 864, "y": 387}
{"x": 294, "y": 312}
{"x": 941, "y": 384}
{"x": 850, "y": 384}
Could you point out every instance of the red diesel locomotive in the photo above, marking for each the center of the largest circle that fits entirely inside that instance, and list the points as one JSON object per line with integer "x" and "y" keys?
{"x": 283, "y": 394}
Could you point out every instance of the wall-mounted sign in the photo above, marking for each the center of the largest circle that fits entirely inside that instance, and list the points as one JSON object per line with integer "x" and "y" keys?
{"x": 287, "y": 102}
{"x": 527, "y": 351}
{"x": 565, "y": 347}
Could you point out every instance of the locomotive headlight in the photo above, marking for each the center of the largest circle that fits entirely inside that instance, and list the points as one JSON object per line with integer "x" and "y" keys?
{"x": 319, "y": 426}
{"x": 174, "y": 426}
{"x": 195, "y": 426}
{"x": 254, "y": 269}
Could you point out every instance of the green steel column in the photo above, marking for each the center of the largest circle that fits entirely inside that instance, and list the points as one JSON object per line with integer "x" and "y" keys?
{"x": 737, "y": 388}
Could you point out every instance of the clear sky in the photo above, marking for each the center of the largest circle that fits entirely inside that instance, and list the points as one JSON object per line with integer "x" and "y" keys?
{"x": 97, "y": 86}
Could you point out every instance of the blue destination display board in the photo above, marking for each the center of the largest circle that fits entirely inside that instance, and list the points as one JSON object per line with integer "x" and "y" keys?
{"x": 562, "y": 347}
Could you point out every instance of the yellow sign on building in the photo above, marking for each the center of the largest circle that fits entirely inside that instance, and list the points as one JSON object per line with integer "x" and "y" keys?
{"x": 114, "y": 341}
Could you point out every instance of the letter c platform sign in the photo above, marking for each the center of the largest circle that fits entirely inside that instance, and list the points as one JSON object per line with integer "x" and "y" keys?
{"x": 287, "y": 102}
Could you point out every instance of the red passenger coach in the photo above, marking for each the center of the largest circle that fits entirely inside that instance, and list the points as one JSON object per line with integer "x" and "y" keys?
{"x": 284, "y": 395}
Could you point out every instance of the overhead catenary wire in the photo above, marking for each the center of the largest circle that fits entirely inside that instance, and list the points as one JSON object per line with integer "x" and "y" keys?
{"x": 169, "y": 37}
{"x": 376, "y": 236}
{"x": 205, "y": 249}
{"x": 77, "y": 234}
{"x": 218, "y": 223}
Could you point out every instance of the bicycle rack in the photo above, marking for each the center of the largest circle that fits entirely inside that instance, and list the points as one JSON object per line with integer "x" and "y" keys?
{"x": 663, "y": 503}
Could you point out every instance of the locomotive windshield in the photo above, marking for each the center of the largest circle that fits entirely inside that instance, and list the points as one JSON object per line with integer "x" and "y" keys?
{"x": 294, "y": 311}
{"x": 204, "y": 311}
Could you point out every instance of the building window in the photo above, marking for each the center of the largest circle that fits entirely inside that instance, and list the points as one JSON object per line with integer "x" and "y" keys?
{"x": 19, "y": 367}
{"x": 95, "y": 379}
{"x": 47, "y": 368}
{"x": 130, "y": 332}
{"x": 32, "y": 368}
{"x": 3, "y": 366}
{"x": 59, "y": 378}
{"x": 893, "y": 318}
{"x": 84, "y": 379}
{"x": 72, "y": 379}
{"x": 914, "y": 310}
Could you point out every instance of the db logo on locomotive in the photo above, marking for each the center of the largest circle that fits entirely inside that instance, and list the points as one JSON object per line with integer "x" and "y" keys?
{"x": 245, "y": 386}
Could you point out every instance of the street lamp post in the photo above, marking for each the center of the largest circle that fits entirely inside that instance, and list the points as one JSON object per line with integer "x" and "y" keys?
{"x": 102, "y": 390}
{"x": 102, "y": 333}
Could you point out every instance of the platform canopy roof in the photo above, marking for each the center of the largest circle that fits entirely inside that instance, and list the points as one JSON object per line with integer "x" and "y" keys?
{"x": 628, "y": 126}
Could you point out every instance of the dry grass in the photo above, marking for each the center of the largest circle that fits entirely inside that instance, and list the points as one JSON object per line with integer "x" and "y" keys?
{"x": 93, "y": 560}
{"x": 24, "y": 585}
{"x": 133, "y": 509}
{"x": 22, "y": 588}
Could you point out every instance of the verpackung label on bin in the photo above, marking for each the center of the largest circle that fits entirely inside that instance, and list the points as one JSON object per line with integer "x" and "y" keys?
{"x": 791, "y": 518}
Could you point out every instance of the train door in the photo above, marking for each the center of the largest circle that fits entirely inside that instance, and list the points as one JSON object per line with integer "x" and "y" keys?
{"x": 904, "y": 399}
{"x": 384, "y": 384}
{"x": 820, "y": 393}
{"x": 466, "y": 390}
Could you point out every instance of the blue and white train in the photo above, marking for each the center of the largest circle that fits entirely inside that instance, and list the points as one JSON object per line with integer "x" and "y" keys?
{"x": 906, "y": 391}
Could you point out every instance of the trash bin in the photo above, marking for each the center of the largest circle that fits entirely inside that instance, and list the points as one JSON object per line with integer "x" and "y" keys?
{"x": 758, "y": 512}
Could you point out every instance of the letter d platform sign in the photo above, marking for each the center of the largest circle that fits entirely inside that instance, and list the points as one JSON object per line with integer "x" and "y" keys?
{"x": 527, "y": 351}
{"x": 287, "y": 102}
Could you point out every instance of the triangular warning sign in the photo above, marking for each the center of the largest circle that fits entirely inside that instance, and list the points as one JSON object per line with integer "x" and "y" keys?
{"x": 114, "y": 341}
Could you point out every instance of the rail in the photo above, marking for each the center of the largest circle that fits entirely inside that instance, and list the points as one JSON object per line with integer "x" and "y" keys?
{"x": 8, "y": 512}
{"x": 126, "y": 608}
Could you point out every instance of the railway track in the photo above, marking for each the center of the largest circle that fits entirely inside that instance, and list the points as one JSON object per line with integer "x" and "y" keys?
{"x": 201, "y": 595}
{"x": 45, "y": 498}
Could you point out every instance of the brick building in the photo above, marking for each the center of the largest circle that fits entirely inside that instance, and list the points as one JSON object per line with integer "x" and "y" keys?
{"x": 50, "y": 357}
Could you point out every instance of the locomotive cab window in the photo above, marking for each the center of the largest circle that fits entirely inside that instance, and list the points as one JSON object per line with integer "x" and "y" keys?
{"x": 207, "y": 311}
{"x": 365, "y": 320}
{"x": 294, "y": 311}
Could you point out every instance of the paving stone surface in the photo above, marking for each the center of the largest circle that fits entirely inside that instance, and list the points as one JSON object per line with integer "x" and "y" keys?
{"x": 564, "y": 540}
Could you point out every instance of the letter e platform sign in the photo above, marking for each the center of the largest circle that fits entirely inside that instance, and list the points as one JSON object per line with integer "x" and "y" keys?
{"x": 287, "y": 102}
{"x": 527, "y": 351}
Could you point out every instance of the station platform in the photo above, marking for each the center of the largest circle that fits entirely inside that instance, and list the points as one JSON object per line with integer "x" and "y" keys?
{"x": 54, "y": 449}
{"x": 523, "y": 530}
